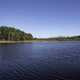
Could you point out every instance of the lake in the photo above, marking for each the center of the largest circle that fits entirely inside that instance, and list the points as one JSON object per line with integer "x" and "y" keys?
{"x": 40, "y": 61}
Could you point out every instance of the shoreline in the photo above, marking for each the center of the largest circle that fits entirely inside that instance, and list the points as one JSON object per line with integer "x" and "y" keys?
{"x": 1, "y": 42}
{"x": 4, "y": 42}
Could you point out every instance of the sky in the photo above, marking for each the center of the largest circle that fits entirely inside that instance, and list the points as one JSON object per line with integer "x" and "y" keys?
{"x": 42, "y": 18}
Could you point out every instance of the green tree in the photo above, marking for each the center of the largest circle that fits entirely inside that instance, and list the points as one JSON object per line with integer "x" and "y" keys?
{"x": 10, "y": 33}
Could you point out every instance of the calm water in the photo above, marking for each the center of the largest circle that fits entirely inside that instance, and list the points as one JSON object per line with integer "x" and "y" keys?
{"x": 40, "y": 61}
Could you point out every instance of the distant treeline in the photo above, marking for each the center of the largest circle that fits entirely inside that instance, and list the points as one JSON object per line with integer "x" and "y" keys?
{"x": 65, "y": 38}
{"x": 60, "y": 38}
{"x": 13, "y": 34}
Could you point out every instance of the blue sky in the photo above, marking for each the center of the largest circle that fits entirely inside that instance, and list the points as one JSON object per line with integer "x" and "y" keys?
{"x": 42, "y": 18}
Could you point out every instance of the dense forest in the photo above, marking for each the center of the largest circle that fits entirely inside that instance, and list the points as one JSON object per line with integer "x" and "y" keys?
{"x": 13, "y": 34}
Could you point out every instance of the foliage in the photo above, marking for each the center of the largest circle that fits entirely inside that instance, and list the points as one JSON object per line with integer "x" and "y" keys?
{"x": 13, "y": 34}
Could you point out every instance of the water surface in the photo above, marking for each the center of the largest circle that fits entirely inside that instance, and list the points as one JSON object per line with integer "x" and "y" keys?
{"x": 40, "y": 61}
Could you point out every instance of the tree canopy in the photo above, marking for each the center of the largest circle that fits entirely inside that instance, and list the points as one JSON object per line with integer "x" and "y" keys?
{"x": 13, "y": 34}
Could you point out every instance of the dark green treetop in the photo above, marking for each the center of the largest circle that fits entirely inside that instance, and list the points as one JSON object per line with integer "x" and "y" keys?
{"x": 11, "y": 33}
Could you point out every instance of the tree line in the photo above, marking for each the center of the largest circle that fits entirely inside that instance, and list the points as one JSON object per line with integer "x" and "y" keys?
{"x": 13, "y": 34}
{"x": 65, "y": 38}
{"x": 72, "y": 38}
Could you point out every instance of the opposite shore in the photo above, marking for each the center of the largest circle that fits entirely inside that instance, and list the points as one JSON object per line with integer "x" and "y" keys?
{"x": 13, "y": 35}
{"x": 12, "y": 42}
